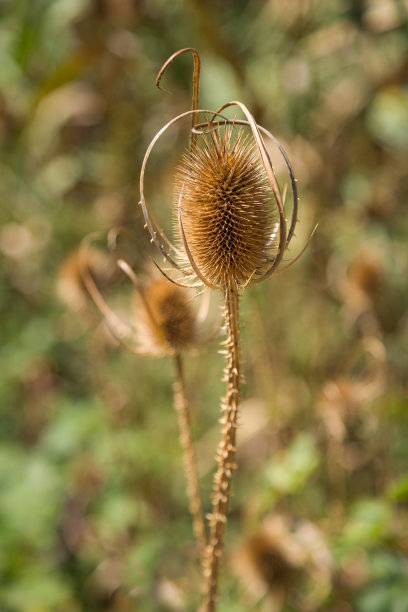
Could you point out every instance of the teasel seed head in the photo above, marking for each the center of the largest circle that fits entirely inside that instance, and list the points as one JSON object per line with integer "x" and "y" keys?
{"x": 227, "y": 208}
{"x": 164, "y": 320}
{"x": 231, "y": 214}
{"x": 166, "y": 317}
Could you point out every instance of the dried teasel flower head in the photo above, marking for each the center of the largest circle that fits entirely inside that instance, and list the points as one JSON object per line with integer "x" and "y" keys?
{"x": 225, "y": 198}
{"x": 231, "y": 222}
{"x": 165, "y": 319}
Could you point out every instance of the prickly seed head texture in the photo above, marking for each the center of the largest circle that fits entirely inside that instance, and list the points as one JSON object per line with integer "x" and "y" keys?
{"x": 227, "y": 208}
{"x": 172, "y": 311}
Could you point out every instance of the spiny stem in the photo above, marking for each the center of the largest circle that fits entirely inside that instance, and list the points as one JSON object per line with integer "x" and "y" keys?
{"x": 189, "y": 458}
{"x": 226, "y": 450}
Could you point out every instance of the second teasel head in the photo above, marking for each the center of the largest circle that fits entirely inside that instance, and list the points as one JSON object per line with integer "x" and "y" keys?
{"x": 165, "y": 317}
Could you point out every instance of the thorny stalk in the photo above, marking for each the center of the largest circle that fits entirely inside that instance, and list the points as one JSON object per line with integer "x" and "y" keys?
{"x": 226, "y": 450}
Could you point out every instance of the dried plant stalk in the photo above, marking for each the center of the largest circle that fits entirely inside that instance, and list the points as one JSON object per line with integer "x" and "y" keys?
{"x": 189, "y": 458}
{"x": 232, "y": 232}
{"x": 225, "y": 199}
{"x": 226, "y": 450}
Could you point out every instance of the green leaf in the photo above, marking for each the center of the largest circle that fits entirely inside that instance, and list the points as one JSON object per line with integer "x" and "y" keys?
{"x": 289, "y": 473}
{"x": 398, "y": 490}
{"x": 368, "y": 524}
{"x": 387, "y": 118}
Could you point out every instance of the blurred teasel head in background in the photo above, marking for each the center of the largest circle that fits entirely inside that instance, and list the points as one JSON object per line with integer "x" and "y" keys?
{"x": 163, "y": 318}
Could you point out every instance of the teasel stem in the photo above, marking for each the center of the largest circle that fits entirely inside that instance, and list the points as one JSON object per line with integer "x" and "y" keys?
{"x": 196, "y": 84}
{"x": 226, "y": 450}
{"x": 189, "y": 457}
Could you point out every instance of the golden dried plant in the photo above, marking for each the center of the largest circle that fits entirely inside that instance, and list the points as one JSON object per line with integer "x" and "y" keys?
{"x": 231, "y": 232}
{"x": 165, "y": 317}
{"x": 225, "y": 198}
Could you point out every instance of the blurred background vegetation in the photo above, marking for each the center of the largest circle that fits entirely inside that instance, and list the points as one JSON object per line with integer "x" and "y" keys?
{"x": 93, "y": 511}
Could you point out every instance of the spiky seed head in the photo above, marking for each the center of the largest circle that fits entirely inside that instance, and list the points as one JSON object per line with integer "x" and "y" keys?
{"x": 227, "y": 208}
{"x": 167, "y": 316}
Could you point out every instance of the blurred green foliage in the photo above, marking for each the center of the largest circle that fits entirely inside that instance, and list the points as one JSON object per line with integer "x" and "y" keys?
{"x": 93, "y": 511}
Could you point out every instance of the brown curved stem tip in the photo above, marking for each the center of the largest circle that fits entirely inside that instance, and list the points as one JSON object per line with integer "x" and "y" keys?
{"x": 196, "y": 83}
{"x": 189, "y": 458}
{"x": 225, "y": 453}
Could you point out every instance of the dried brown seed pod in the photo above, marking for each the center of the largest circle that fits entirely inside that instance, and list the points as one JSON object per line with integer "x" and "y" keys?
{"x": 166, "y": 317}
{"x": 256, "y": 206}
{"x": 229, "y": 221}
